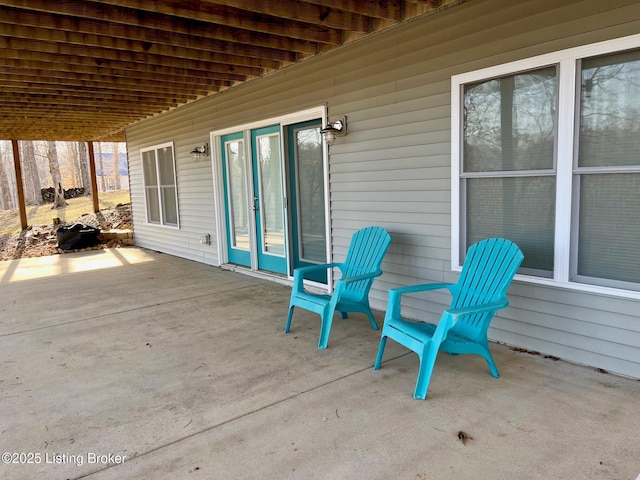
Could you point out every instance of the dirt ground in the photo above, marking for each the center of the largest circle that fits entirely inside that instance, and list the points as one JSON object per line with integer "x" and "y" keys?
{"x": 41, "y": 240}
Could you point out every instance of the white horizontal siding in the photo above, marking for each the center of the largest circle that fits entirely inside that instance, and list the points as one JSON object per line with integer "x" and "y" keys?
{"x": 194, "y": 184}
{"x": 393, "y": 167}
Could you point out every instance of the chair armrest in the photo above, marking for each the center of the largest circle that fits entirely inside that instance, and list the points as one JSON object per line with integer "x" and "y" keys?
{"x": 357, "y": 278}
{"x": 485, "y": 307}
{"x": 311, "y": 268}
{"x": 393, "y": 306}
{"x": 421, "y": 288}
{"x": 299, "y": 274}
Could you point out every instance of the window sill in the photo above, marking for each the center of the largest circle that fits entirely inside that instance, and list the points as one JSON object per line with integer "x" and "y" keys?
{"x": 581, "y": 287}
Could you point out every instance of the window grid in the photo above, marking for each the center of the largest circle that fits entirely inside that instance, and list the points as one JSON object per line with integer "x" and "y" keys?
{"x": 159, "y": 177}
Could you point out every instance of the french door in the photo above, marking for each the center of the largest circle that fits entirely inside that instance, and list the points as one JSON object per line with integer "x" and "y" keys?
{"x": 268, "y": 198}
{"x": 274, "y": 200}
{"x": 307, "y": 199}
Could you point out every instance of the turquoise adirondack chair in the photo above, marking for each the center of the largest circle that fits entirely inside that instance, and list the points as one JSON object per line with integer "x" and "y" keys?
{"x": 351, "y": 294}
{"x": 481, "y": 290}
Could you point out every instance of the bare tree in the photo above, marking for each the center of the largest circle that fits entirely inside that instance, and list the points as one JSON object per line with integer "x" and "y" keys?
{"x": 116, "y": 166}
{"x": 73, "y": 154}
{"x": 31, "y": 177}
{"x": 83, "y": 161}
{"x": 54, "y": 168}
{"x": 103, "y": 187}
{"x": 4, "y": 183}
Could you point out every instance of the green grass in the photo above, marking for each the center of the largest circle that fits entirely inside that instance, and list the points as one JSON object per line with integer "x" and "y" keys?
{"x": 44, "y": 214}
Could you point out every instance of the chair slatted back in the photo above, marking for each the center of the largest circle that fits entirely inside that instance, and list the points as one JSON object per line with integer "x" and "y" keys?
{"x": 366, "y": 251}
{"x": 487, "y": 272}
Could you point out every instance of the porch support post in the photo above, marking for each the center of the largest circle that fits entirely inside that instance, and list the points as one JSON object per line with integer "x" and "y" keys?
{"x": 19, "y": 186}
{"x": 94, "y": 182}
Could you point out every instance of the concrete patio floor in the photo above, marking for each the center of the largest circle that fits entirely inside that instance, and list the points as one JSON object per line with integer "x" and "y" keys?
{"x": 130, "y": 364}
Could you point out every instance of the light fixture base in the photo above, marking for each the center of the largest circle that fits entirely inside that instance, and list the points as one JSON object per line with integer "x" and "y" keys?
{"x": 335, "y": 128}
{"x": 199, "y": 152}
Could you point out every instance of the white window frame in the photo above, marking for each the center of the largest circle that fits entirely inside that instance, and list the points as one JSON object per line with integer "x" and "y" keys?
{"x": 567, "y": 63}
{"x": 159, "y": 186}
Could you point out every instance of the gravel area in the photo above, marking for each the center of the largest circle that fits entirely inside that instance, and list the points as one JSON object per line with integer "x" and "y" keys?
{"x": 41, "y": 240}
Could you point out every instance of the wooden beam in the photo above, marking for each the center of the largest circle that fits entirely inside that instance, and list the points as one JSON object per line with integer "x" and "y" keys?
{"x": 116, "y": 70}
{"x": 384, "y": 10}
{"x": 225, "y": 13}
{"x": 70, "y": 62}
{"x": 200, "y": 20}
{"x": 303, "y": 12}
{"x": 63, "y": 126}
{"x": 94, "y": 181}
{"x": 40, "y": 50}
{"x": 86, "y": 42}
{"x": 57, "y": 119}
{"x": 58, "y": 27}
{"x": 53, "y": 113}
{"x": 106, "y": 100}
{"x": 141, "y": 84}
{"x": 66, "y": 134}
{"x": 19, "y": 186}
{"x": 100, "y": 90}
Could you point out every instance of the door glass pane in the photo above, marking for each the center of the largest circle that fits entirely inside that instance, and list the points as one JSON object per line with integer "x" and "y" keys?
{"x": 237, "y": 188}
{"x": 610, "y": 111}
{"x": 271, "y": 193}
{"x": 509, "y": 122}
{"x": 521, "y": 209}
{"x": 310, "y": 195}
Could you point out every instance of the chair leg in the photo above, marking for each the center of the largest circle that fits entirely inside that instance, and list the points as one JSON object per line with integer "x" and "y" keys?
{"x": 427, "y": 362}
{"x": 486, "y": 353}
{"x": 383, "y": 342}
{"x": 372, "y": 320}
{"x": 492, "y": 365}
{"x": 288, "y": 325}
{"x": 325, "y": 327}
{"x": 343, "y": 315}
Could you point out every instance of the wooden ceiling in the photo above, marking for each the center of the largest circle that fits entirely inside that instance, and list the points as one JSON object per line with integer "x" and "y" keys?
{"x": 83, "y": 70}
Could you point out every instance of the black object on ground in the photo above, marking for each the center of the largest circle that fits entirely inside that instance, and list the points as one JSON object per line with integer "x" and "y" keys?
{"x": 77, "y": 236}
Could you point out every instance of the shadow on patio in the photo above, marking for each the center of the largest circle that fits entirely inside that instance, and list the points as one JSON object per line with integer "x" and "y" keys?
{"x": 183, "y": 371}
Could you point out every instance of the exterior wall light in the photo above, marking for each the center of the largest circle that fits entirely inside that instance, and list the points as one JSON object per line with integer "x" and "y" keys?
{"x": 337, "y": 128}
{"x": 199, "y": 152}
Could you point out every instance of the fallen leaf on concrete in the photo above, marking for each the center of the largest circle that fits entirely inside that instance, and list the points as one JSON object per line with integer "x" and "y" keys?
{"x": 464, "y": 437}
